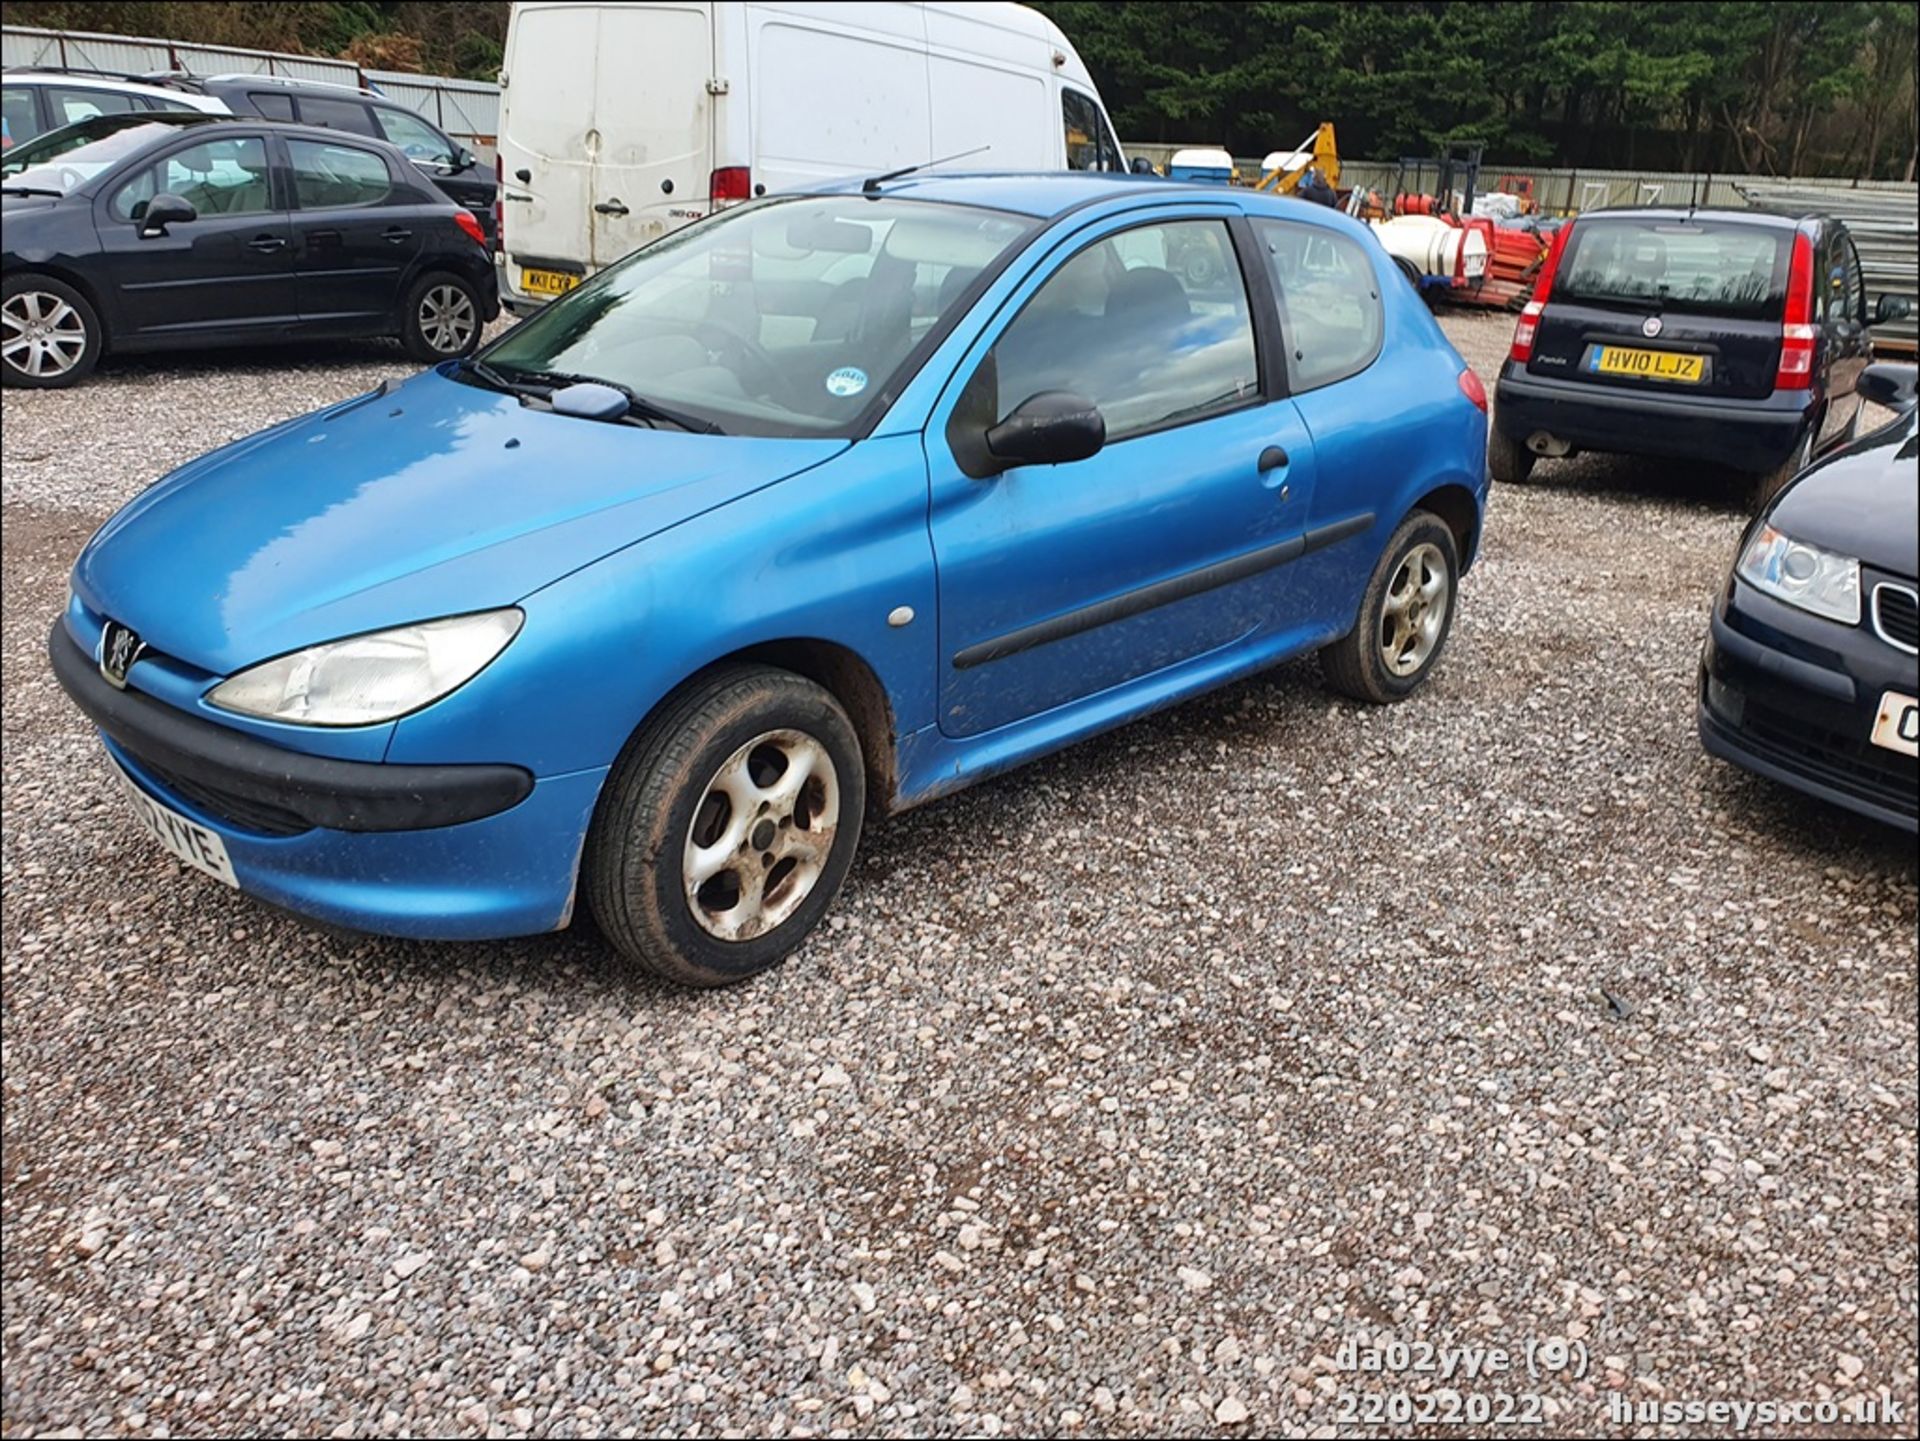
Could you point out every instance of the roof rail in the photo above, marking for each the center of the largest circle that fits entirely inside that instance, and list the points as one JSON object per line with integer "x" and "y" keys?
{"x": 159, "y": 79}
{"x": 288, "y": 82}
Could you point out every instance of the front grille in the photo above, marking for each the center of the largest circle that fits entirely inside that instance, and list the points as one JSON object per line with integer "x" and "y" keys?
{"x": 237, "y": 811}
{"x": 1853, "y": 765}
{"x": 1896, "y": 616}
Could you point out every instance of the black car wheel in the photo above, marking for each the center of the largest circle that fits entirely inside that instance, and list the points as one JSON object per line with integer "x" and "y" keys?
{"x": 441, "y": 318}
{"x": 49, "y": 334}
{"x": 1405, "y": 615}
{"x": 726, "y": 827}
{"x": 1775, "y": 481}
{"x": 1507, "y": 459}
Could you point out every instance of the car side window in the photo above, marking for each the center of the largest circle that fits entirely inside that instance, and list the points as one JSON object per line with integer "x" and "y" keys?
{"x": 1088, "y": 147}
{"x": 19, "y": 115}
{"x": 274, "y": 107}
{"x": 349, "y": 115}
{"x": 216, "y": 177}
{"x": 1330, "y": 312}
{"x": 1152, "y": 325}
{"x": 72, "y": 105}
{"x": 1856, "y": 283}
{"x": 327, "y": 177}
{"x": 417, "y": 140}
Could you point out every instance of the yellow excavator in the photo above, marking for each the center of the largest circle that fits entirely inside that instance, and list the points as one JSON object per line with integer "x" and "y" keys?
{"x": 1283, "y": 170}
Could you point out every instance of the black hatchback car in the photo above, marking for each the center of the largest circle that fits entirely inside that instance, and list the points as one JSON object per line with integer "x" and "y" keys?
{"x": 449, "y": 164}
{"x": 1729, "y": 336}
{"x": 1809, "y": 674}
{"x": 201, "y": 230}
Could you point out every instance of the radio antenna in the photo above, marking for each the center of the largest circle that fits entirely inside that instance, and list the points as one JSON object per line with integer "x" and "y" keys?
{"x": 874, "y": 182}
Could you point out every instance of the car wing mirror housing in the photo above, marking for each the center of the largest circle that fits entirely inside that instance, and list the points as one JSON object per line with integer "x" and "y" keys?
{"x": 1886, "y": 383}
{"x": 1051, "y": 428}
{"x": 163, "y": 210}
{"x": 1890, "y": 308}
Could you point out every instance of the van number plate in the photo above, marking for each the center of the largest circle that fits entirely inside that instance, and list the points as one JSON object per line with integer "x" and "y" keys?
{"x": 1647, "y": 364}
{"x": 547, "y": 282}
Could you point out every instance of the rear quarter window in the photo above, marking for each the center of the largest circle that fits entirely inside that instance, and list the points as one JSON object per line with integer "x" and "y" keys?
{"x": 1721, "y": 269}
{"x": 1330, "y": 313}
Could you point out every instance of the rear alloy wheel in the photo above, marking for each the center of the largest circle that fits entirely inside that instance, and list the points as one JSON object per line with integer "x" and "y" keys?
{"x": 49, "y": 334}
{"x": 1508, "y": 460}
{"x": 1404, "y": 617}
{"x": 441, "y": 319}
{"x": 726, "y": 826}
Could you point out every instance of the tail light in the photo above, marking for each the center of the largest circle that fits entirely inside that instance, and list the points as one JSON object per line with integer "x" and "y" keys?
{"x": 1797, "y": 331}
{"x": 464, "y": 219}
{"x": 499, "y": 202}
{"x": 1474, "y": 390}
{"x": 730, "y": 183}
{"x": 1529, "y": 323}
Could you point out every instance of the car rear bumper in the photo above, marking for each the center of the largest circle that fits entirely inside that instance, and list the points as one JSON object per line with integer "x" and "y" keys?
{"x": 456, "y": 852}
{"x": 1806, "y": 724}
{"x": 1752, "y": 435}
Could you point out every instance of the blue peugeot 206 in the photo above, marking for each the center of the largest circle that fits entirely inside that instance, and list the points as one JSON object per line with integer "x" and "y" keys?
{"x": 810, "y": 512}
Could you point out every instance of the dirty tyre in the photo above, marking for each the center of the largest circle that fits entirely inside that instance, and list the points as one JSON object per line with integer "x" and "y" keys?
{"x": 1405, "y": 616}
{"x": 1507, "y": 459}
{"x": 726, "y": 827}
{"x": 440, "y": 318}
{"x": 50, "y": 335}
{"x": 1774, "y": 481}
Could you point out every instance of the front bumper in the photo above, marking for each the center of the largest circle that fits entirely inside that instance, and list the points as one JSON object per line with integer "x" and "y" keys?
{"x": 1793, "y": 698}
{"x": 429, "y": 852}
{"x": 1751, "y": 435}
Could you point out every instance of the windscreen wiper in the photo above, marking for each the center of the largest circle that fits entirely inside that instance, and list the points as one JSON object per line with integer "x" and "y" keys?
{"x": 31, "y": 190}
{"x": 638, "y": 405}
{"x": 496, "y": 380}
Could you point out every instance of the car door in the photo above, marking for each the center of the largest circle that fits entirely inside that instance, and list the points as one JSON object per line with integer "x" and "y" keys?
{"x": 440, "y": 160}
{"x": 355, "y": 234}
{"x": 1057, "y": 582}
{"x": 226, "y": 272}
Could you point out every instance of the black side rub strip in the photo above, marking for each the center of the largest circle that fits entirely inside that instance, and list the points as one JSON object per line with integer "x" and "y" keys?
{"x": 333, "y": 794}
{"x": 1161, "y": 592}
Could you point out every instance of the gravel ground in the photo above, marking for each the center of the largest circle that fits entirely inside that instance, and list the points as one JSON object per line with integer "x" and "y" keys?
{"x": 1117, "y": 1096}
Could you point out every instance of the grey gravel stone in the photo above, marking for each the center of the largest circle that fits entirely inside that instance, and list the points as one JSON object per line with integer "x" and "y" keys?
{"x": 1305, "y": 997}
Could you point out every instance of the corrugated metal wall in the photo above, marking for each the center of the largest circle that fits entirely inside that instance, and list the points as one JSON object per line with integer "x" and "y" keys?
{"x": 468, "y": 110}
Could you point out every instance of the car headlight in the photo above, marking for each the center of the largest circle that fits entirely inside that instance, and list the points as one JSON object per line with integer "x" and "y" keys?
{"x": 374, "y": 677}
{"x": 1802, "y": 575}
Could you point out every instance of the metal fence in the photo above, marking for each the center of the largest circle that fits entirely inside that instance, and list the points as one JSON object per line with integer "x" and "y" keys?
{"x": 468, "y": 110}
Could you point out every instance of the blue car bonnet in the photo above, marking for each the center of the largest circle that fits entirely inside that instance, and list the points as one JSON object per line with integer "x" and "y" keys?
{"x": 432, "y": 499}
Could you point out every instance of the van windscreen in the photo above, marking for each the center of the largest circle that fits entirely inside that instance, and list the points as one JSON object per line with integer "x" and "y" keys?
{"x": 1721, "y": 267}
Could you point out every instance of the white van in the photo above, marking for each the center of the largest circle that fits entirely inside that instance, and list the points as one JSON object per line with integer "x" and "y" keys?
{"x": 619, "y": 123}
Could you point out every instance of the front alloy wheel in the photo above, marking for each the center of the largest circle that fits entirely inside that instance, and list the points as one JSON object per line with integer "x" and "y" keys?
{"x": 726, "y": 826}
{"x": 49, "y": 335}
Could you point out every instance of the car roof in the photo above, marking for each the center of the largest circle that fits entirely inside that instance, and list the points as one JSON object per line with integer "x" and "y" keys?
{"x": 1046, "y": 194}
{"x": 187, "y": 99}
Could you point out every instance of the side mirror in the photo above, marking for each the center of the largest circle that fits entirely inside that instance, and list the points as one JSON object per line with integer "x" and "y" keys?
{"x": 464, "y": 159}
{"x": 1890, "y": 308}
{"x": 1885, "y": 383}
{"x": 163, "y": 210}
{"x": 1051, "y": 428}
{"x": 1140, "y": 165}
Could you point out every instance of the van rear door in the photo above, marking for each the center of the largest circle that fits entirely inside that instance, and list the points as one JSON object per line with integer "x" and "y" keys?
{"x": 607, "y": 112}
{"x": 1672, "y": 305}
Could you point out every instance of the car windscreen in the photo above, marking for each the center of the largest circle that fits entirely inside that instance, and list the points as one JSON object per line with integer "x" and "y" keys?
{"x": 67, "y": 168}
{"x": 780, "y": 317}
{"x": 1716, "y": 267}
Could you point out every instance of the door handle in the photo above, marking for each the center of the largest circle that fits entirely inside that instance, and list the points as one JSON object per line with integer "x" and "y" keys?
{"x": 611, "y": 207}
{"x": 266, "y": 244}
{"x": 396, "y": 234}
{"x": 1272, "y": 458}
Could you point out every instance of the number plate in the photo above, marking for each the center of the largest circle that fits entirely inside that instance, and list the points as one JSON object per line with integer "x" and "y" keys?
{"x": 1897, "y": 727}
{"x": 547, "y": 282}
{"x": 1648, "y": 364}
{"x": 184, "y": 840}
